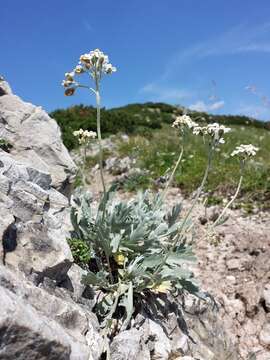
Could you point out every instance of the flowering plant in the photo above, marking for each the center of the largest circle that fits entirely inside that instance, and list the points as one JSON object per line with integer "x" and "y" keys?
{"x": 94, "y": 64}
{"x": 137, "y": 251}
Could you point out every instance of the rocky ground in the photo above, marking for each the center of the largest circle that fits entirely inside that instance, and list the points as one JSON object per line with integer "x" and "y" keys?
{"x": 236, "y": 271}
{"x": 46, "y": 311}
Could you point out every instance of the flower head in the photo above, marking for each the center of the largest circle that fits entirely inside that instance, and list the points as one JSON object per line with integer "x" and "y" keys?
{"x": 119, "y": 258}
{"x": 67, "y": 83}
{"x": 70, "y": 91}
{"x": 214, "y": 131}
{"x": 69, "y": 76}
{"x": 164, "y": 287}
{"x": 245, "y": 151}
{"x": 95, "y": 63}
{"x": 79, "y": 69}
{"x": 184, "y": 121}
{"x": 84, "y": 136}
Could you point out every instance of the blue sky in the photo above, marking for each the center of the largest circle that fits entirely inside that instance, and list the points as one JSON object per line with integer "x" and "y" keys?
{"x": 201, "y": 54}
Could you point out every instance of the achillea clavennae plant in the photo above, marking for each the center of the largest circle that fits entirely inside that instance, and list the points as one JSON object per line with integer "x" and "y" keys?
{"x": 138, "y": 252}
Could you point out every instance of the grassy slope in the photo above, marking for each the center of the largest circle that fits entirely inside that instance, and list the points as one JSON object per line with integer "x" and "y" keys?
{"x": 160, "y": 152}
{"x": 155, "y": 145}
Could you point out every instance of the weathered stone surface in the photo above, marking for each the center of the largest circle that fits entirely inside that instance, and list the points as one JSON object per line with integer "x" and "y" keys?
{"x": 4, "y": 87}
{"x": 35, "y": 138}
{"x": 118, "y": 166}
{"x": 43, "y": 314}
{"x": 157, "y": 341}
{"x": 76, "y": 326}
{"x": 202, "y": 336}
{"x": 36, "y": 210}
{"x": 266, "y": 296}
{"x": 129, "y": 345}
{"x": 27, "y": 334}
{"x": 265, "y": 335}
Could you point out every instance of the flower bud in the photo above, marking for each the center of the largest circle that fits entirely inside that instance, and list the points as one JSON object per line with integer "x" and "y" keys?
{"x": 79, "y": 69}
{"x": 70, "y": 91}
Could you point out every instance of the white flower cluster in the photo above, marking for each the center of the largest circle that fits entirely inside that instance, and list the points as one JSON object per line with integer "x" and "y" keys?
{"x": 245, "y": 150}
{"x": 214, "y": 130}
{"x": 84, "y": 135}
{"x": 95, "y": 62}
{"x": 184, "y": 120}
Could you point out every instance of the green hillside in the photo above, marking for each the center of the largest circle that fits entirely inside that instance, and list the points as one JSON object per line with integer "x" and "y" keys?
{"x": 133, "y": 119}
{"x": 154, "y": 145}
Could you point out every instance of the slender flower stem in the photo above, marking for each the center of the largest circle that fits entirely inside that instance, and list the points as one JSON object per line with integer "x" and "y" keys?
{"x": 179, "y": 235}
{"x": 172, "y": 175}
{"x": 229, "y": 203}
{"x": 99, "y": 135}
{"x": 199, "y": 191}
{"x": 83, "y": 167}
{"x": 109, "y": 267}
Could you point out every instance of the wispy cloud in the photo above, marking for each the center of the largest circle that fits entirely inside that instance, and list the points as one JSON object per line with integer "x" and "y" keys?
{"x": 239, "y": 39}
{"x": 254, "y": 111}
{"x": 202, "y": 106}
{"x": 164, "y": 93}
{"x": 87, "y": 26}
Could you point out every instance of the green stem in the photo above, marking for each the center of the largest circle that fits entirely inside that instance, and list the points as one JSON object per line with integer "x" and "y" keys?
{"x": 109, "y": 267}
{"x": 99, "y": 134}
{"x": 179, "y": 235}
{"x": 229, "y": 203}
{"x": 83, "y": 167}
{"x": 172, "y": 175}
{"x": 199, "y": 191}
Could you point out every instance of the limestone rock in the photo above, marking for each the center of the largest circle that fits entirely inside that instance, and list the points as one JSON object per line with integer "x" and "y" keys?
{"x": 4, "y": 87}
{"x": 265, "y": 335}
{"x": 31, "y": 204}
{"x": 129, "y": 345}
{"x": 28, "y": 306}
{"x": 35, "y": 138}
{"x": 117, "y": 166}
{"x": 266, "y": 296}
{"x": 44, "y": 315}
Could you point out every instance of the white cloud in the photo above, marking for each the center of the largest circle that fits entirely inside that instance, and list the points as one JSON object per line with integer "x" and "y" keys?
{"x": 254, "y": 111}
{"x": 239, "y": 39}
{"x": 202, "y": 106}
{"x": 164, "y": 93}
{"x": 217, "y": 105}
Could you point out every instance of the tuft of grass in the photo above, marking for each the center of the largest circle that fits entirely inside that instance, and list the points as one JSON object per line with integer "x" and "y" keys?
{"x": 5, "y": 145}
{"x": 137, "y": 180}
{"x": 80, "y": 251}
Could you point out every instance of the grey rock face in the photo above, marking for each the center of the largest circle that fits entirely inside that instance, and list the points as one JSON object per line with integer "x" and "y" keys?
{"x": 29, "y": 203}
{"x": 4, "y": 87}
{"x": 265, "y": 335}
{"x": 41, "y": 315}
{"x": 201, "y": 337}
{"x": 266, "y": 296}
{"x": 129, "y": 345}
{"x": 117, "y": 166}
{"x": 35, "y": 138}
{"x": 37, "y": 325}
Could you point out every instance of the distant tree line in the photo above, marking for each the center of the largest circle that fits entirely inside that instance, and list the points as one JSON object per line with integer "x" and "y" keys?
{"x": 134, "y": 119}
